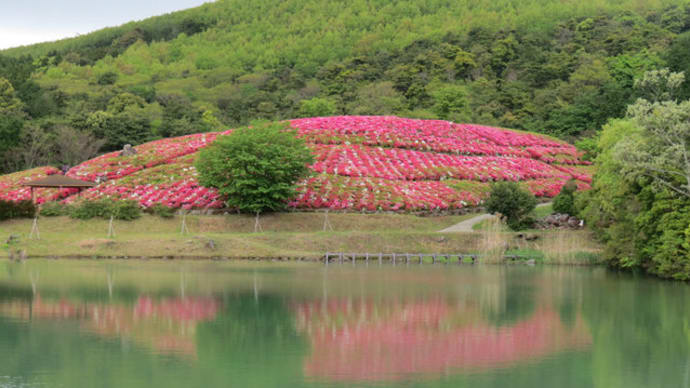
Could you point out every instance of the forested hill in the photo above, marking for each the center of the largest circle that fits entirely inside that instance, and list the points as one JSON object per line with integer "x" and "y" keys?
{"x": 561, "y": 67}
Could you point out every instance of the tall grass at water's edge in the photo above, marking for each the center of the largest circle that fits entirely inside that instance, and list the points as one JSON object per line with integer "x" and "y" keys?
{"x": 549, "y": 247}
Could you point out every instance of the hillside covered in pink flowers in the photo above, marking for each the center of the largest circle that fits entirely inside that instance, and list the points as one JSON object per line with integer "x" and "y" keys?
{"x": 362, "y": 163}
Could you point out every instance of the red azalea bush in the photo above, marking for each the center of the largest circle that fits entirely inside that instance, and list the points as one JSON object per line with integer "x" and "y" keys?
{"x": 362, "y": 163}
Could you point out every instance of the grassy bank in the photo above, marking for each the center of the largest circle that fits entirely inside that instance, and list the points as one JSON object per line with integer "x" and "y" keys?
{"x": 293, "y": 235}
{"x": 285, "y": 234}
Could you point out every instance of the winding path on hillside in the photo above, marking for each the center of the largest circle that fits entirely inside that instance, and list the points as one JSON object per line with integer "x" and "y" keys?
{"x": 467, "y": 225}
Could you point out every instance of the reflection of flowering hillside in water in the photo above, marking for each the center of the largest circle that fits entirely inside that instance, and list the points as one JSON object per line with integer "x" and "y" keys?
{"x": 166, "y": 325}
{"x": 369, "y": 341}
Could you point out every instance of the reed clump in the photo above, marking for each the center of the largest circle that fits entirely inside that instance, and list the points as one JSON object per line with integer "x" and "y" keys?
{"x": 494, "y": 243}
{"x": 569, "y": 247}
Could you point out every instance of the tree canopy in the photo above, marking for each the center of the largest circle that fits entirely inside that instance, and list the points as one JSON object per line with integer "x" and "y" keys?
{"x": 640, "y": 201}
{"x": 255, "y": 168}
{"x": 513, "y": 203}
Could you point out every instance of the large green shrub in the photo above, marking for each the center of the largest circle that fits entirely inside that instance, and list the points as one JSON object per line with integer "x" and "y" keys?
{"x": 513, "y": 203}
{"x": 316, "y": 107}
{"x": 255, "y": 168}
{"x": 564, "y": 202}
{"x": 92, "y": 209}
{"x": 664, "y": 225}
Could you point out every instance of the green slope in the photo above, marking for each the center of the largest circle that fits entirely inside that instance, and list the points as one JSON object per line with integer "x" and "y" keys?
{"x": 304, "y": 23}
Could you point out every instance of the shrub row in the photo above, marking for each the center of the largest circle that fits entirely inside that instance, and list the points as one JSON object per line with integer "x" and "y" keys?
{"x": 120, "y": 210}
{"x": 105, "y": 208}
{"x": 21, "y": 209}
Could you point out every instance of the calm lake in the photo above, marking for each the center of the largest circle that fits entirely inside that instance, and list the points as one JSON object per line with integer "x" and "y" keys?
{"x": 210, "y": 324}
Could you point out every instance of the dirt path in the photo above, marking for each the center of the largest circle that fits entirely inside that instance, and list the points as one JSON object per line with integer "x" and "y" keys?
{"x": 466, "y": 226}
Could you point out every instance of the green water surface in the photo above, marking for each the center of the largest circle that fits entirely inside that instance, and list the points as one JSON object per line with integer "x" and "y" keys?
{"x": 210, "y": 324}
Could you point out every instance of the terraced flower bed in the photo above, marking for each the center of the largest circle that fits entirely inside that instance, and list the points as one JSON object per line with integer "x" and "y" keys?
{"x": 372, "y": 194}
{"x": 362, "y": 163}
{"x": 113, "y": 166}
{"x": 172, "y": 184}
{"x": 403, "y": 164}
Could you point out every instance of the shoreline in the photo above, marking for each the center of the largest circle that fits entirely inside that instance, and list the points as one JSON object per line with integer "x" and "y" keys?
{"x": 288, "y": 259}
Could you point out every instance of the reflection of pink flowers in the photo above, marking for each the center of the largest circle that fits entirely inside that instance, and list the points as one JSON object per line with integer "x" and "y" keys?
{"x": 364, "y": 163}
{"x": 357, "y": 342}
{"x": 151, "y": 321}
{"x": 186, "y": 309}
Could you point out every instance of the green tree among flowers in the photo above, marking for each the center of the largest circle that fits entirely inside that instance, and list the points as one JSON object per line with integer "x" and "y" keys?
{"x": 513, "y": 203}
{"x": 255, "y": 168}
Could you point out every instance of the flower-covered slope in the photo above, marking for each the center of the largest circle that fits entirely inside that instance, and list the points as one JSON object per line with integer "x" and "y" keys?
{"x": 361, "y": 163}
{"x": 112, "y": 165}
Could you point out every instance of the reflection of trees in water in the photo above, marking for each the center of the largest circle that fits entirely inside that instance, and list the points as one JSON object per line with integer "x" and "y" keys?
{"x": 641, "y": 331}
{"x": 252, "y": 343}
{"x": 517, "y": 292}
{"x": 517, "y": 303}
{"x": 511, "y": 296}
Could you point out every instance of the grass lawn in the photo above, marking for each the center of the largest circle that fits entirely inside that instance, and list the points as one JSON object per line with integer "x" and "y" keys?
{"x": 284, "y": 234}
{"x": 542, "y": 211}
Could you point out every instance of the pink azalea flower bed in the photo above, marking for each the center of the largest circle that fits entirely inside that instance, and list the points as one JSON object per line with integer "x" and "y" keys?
{"x": 362, "y": 163}
{"x": 403, "y": 164}
{"x": 433, "y": 135}
{"x": 373, "y": 194}
{"x": 550, "y": 187}
{"x": 172, "y": 184}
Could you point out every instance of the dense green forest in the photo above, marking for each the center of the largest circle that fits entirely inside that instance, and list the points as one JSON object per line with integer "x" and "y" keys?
{"x": 558, "y": 67}
{"x": 640, "y": 202}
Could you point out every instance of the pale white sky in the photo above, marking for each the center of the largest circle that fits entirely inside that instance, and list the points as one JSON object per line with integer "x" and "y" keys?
{"x": 32, "y": 21}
